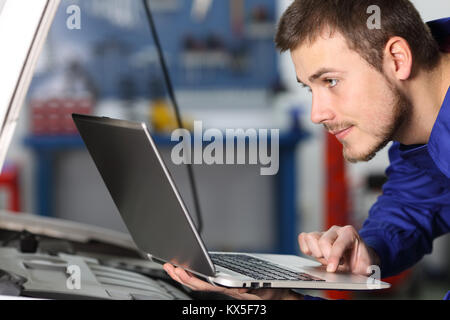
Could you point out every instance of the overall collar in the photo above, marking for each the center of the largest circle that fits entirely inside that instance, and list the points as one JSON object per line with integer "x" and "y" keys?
{"x": 439, "y": 142}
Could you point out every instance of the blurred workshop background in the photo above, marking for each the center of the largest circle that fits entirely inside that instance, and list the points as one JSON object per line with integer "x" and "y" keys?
{"x": 100, "y": 58}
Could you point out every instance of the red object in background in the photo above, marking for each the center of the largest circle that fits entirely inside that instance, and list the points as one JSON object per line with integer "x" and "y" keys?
{"x": 337, "y": 205}
{"x": 54, "y": 116}
{"x": 397, "y": 281}
{"x": 9, "y": 179}
{"x": 337, "y": 201}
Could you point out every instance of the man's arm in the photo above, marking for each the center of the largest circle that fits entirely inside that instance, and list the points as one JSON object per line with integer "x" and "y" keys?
{"x": 413, "y": 210}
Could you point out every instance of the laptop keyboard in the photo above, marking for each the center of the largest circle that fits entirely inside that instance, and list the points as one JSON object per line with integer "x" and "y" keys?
{"x": 258, "y": 269}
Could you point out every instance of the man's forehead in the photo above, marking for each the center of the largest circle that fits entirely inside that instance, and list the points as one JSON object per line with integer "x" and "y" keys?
{"x": 327, "y": 53}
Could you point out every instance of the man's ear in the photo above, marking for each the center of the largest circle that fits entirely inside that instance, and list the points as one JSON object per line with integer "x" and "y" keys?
{"x": 398, "y": 58}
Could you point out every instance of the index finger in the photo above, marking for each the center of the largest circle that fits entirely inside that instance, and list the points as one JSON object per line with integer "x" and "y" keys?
{"x": 343, "y": 242}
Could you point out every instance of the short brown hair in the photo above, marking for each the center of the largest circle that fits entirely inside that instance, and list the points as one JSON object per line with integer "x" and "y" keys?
{"x": 305, "y": 20}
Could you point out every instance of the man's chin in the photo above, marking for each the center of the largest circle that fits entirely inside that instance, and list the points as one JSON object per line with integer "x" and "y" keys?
{"x": 362, "y": 156}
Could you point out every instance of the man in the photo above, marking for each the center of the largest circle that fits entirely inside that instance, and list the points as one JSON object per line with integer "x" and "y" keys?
{"x": 372, "y": 84}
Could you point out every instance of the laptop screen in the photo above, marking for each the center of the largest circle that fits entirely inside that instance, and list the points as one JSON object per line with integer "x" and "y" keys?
{"x": 143, "y": 191}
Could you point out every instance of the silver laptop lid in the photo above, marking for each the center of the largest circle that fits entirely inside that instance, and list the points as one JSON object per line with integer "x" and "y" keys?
{"x": 24, "y": 25}
{"x": 144, "y": 191}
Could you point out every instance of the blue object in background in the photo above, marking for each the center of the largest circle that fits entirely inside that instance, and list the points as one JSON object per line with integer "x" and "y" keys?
{"x": 115, "y": 54}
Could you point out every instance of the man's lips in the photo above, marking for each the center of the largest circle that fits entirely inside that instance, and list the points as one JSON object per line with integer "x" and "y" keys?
{"x": 342, "y": 133}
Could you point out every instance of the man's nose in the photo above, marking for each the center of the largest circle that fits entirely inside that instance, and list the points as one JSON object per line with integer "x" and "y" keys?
{"x": 321, "y": 112}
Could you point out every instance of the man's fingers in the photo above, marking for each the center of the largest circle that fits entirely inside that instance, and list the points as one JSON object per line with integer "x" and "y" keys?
{"x": 303, "y": 245}
{"x": 326, "y": 241}
{"x": 182, "y": 276}
{"x": 195, "y": 282}
{"x": 309, "y": 244}
{"x": 174, "y": 273}
{"x": 188, "y": 280}
{"x": 331, "y": 248}
{"x": 171, "y": 272}
{"x": 312, "y": 240}
{"x": 344, "y": 241}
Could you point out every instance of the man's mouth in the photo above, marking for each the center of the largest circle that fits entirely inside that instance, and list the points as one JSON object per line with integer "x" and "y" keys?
{"x": 341, "y": 134}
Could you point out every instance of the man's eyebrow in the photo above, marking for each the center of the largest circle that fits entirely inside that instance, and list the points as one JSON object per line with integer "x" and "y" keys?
{"x": 317, "y": 75}
{"x": 320, "y": 72}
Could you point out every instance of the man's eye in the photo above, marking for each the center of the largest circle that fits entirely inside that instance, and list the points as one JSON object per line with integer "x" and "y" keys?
{"x": 331, "y": 82}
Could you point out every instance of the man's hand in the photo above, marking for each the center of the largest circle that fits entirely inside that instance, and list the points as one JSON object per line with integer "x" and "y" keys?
{"x": 194, "y": 283}
{"x": 339, "y": 248}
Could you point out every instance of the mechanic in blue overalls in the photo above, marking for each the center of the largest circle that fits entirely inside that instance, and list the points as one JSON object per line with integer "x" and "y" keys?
{"x": 373, "y": 82}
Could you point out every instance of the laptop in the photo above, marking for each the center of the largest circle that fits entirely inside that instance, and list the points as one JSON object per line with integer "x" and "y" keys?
{"x": 158, "y": 220}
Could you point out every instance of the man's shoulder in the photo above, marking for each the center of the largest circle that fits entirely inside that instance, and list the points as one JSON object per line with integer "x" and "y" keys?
{"x": 412, "y": 160}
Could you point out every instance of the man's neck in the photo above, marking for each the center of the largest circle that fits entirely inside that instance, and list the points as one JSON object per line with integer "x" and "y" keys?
{"x": 426, "y": 93}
